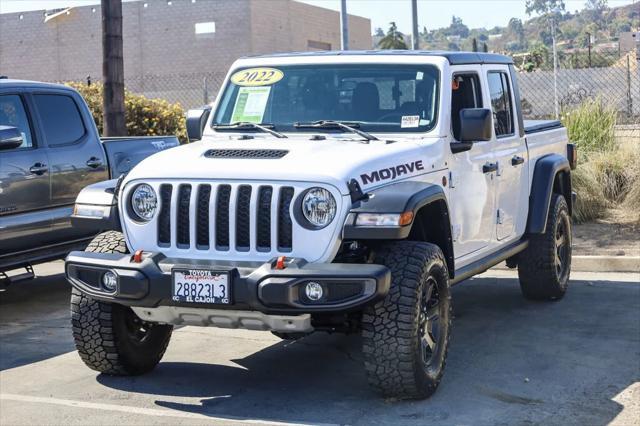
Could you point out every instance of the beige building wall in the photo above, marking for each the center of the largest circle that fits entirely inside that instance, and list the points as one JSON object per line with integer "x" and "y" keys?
{"x": 160, "y": 40}
{"x": 290, "y": 26}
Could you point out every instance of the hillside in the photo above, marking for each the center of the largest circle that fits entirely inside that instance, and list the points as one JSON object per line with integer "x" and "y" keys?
{"x": 533, "y": 37}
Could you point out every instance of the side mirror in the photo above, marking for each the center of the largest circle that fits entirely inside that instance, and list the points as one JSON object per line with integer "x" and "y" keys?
{"x": 196, "y": 120}
{"x": 475, "y": 125}
{"x": 10, "y": 138}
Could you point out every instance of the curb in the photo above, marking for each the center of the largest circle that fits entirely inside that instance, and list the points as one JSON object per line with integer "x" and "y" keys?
{"x": 606, "y": 263}
{"x": 600, "y": 264}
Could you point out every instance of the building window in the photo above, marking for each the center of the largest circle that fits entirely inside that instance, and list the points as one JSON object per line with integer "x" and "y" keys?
{"x": 318, "y": 45}
{"x": 205, "y": 28}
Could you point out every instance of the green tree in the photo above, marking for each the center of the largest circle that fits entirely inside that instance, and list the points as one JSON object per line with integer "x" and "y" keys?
{"x": 457, "y": 28}
{"x": 394, "y": 39}
{"x": 379, "y": 32}
{"x": 544, "y": 7}
{"x": 515, "y": 31}
{"x": 538, "y": 56}
{"x": 595, "y": 12}
{"x": 551, "y": 13}
{"x": 474, "y": 45}
{"x": 485, "y": 48}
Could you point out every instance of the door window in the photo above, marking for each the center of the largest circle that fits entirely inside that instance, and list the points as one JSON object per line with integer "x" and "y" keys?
{"x": 61, "y": 119}
{"x": 465, "y": 93}
{"x": 501, "y": 103}
{"x": 12, "y": 113}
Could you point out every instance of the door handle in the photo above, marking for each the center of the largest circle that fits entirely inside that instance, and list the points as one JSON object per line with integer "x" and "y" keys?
{"x": 39, "y": 169}
{"x": 94, "y": 162}
{"x": 517, "y": 160}
{"x": 490, "y": 168}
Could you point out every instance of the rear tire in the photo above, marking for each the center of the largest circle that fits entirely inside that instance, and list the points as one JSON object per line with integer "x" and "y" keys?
{"x": 111, "y": 338}
{"x": 406, "y": 335}
{"x": 544, "y": 267}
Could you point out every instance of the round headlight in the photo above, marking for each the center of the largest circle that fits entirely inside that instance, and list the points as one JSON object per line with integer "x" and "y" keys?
{"x": 144, "y": 202}
{"x": 319, "y": 207}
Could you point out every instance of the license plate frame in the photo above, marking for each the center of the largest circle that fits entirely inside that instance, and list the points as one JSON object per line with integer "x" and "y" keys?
{"x": 201, "y": 286}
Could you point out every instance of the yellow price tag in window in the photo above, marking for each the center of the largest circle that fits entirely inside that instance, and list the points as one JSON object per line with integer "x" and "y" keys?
{"x": 257, "y": 77}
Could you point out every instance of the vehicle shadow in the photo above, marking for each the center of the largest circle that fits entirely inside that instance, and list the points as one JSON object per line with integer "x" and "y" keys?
{"x": 558, "y": 362}
{"x": 34, "y": 319}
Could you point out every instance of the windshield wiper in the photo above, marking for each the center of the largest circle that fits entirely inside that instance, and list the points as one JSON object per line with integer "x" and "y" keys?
{"x": 330, "y": 124}
{"x": 267, "y": 128}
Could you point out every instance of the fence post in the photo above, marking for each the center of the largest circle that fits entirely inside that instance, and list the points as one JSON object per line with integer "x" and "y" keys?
{"x": 205, "y": 90}
{"x": 629, "y": 100}
{"x": 555, "y": 68}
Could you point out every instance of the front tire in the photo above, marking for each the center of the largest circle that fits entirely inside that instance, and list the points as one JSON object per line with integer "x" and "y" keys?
{"x": 406, "y": 335}
{"x": 111, "y": 338}
{"x": 544, "y": 267}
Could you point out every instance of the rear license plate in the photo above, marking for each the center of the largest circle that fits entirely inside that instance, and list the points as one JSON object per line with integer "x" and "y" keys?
{"x": 201, "y": 286}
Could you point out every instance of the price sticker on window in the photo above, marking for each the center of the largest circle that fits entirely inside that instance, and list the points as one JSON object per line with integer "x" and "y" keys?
{"x": 257, "y": 77}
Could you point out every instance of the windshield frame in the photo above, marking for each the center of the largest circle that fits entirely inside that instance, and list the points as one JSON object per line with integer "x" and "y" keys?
{"x": 365, "y": 126}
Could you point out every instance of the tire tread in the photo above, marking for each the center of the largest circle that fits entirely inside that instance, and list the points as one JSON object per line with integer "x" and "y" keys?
{"x": 93, "y": 327}
{"x": 389, "y": 327}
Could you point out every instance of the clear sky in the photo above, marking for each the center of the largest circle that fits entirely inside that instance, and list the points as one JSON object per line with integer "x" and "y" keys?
{"x": 431, "y": 13}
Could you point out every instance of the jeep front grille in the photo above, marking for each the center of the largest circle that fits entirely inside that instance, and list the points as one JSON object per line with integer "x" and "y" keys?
{"x": 244, "y": 217}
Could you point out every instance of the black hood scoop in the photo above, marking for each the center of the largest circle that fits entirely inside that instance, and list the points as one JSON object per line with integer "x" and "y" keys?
{"x": 264, "y": 154}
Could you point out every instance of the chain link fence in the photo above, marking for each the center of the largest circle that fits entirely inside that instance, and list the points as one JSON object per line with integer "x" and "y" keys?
{"x": 189, "y": 90}
{"x": 612, "y": 78}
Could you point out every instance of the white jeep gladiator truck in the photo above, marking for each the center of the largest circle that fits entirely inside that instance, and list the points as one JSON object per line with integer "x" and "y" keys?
{"x": 333, "y": 191}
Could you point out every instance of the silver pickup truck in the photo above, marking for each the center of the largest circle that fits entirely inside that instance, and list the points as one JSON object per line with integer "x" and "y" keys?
{"x": 49, "y": 150}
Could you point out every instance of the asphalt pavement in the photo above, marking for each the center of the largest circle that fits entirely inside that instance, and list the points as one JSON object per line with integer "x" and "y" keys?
{"x": 511, "y": 361}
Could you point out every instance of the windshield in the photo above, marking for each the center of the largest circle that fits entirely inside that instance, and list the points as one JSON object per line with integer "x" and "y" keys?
{"x": 375, "y": 98}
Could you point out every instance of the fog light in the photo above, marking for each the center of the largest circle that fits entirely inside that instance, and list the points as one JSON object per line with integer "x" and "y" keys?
{"x": 110, "y": 281}
{"x": 314, "y": 291}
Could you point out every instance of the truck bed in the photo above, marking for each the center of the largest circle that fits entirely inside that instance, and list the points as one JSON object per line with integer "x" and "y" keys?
{"x": 126, "y": 152}
{"x": 535, "y": 126}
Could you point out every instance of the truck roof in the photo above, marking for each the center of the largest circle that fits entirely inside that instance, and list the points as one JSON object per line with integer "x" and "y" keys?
{"x": 7, "y": 82}
{"x": 454, "y": 58}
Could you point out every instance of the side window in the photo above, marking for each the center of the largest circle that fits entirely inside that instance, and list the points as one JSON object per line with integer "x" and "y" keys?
{"x": 61, "y": 120}
{"x": 12, "y": 113}
{"x": 501, "y": 103}
{"x": 465, "y": 93}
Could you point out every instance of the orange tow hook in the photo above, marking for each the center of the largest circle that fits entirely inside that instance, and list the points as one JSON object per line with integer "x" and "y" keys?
{"x": 280, "y": 263}
{"x": 137, "y": 256}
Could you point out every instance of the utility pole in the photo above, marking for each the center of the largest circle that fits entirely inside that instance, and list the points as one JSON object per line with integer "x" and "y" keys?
{"x": 415, "y": 37}
{"x": 113, "y": 69}
{"x": 344, "y": 25}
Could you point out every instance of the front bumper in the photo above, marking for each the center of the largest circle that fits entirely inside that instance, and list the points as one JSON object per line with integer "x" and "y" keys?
{"x": 258, "y": 287}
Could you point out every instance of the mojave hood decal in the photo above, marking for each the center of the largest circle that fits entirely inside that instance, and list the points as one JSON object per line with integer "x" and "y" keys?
{"x": 392, "y": 172}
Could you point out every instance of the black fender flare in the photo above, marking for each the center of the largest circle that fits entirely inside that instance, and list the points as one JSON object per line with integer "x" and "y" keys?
{"x": 401, "y": 197}
{"x": 546, "y": 170}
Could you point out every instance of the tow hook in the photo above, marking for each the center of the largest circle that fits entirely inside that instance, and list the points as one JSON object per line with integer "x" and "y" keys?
{"x": 280, "y": 263}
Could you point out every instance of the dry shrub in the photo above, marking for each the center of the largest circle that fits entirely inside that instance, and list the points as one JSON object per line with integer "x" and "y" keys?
{"x": 608, "y": 180}
{"x": 631, "y": 203}
{"x": 591, "y": 203}
{"x": 613, "y": 172}
{"x": 608, "y": 175}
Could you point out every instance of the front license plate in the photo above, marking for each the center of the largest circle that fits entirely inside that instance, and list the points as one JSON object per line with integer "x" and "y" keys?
{"x": 201, "y": 286}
